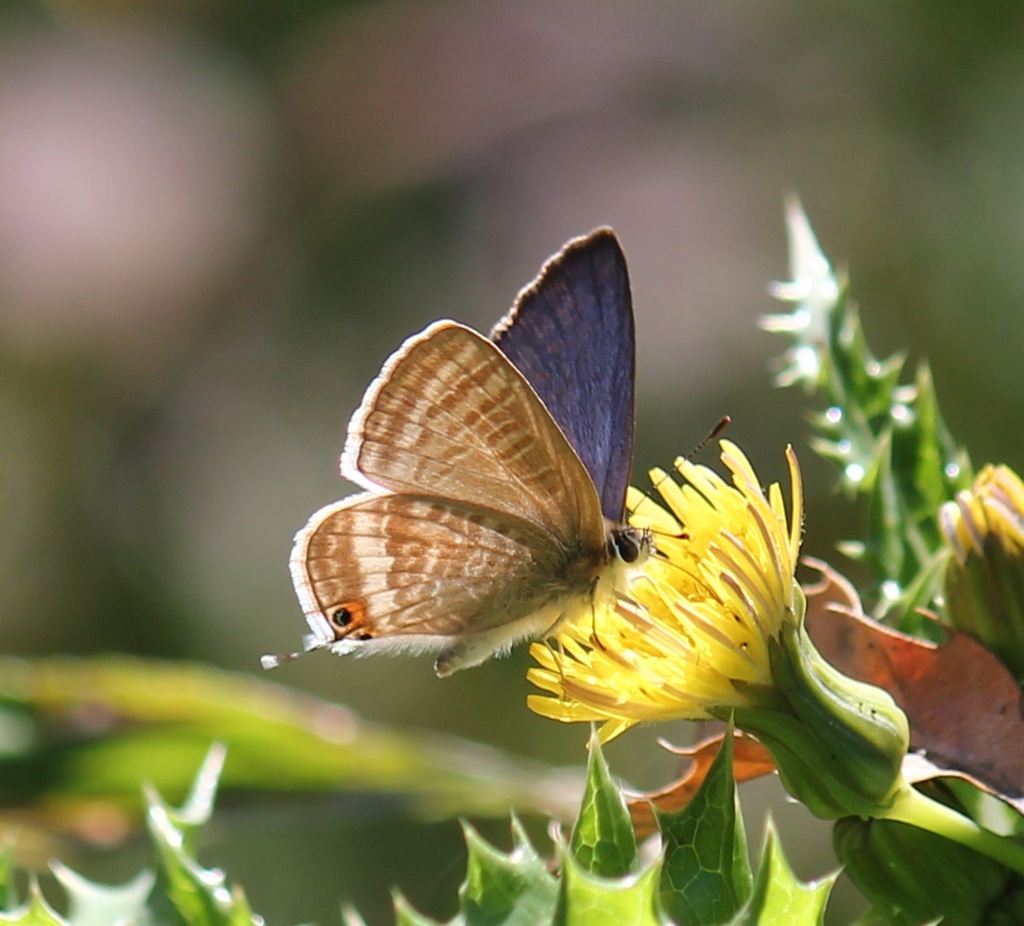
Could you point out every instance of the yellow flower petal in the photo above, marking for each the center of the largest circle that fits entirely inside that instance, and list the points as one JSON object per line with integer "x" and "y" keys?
{"x": 993, "y": 506}
{"x": 692, "y": 641}
{"x": 983, "y": 583}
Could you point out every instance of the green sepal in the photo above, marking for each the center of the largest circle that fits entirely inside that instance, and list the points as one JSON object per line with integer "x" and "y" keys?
{"x": 985, "y": 598}
{"x": 603, "y": 841}
{"x": 513, "y": 889}
{"x": 706, "y": 875}
{"x": 838, "y": 743}
{"x": 779, "y": 898}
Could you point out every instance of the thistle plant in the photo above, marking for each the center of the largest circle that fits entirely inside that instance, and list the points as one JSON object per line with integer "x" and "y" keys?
{"x": 715, "y": 626}
{"x": 886, "y": 436}
{"x": 912, "y": 749}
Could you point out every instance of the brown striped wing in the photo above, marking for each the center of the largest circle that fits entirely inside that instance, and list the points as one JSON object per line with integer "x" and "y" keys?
{"x": 449, "y": 416}
{"x": 385, "y": 572}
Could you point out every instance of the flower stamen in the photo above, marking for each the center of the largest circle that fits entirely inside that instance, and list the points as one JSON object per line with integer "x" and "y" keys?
{"x": 692, "y": 637}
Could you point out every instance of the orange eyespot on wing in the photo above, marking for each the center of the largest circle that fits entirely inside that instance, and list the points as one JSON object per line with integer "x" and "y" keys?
{"x": 349, "y": 620}
{"x": 383, "y": 567}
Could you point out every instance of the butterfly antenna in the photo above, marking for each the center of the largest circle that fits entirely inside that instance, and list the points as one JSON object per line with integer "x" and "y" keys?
{"x": 647, "y": 497}
{"x": 722, "y": 424}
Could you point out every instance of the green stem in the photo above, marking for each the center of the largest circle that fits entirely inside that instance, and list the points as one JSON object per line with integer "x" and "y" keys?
{"x": 911, "y": 806}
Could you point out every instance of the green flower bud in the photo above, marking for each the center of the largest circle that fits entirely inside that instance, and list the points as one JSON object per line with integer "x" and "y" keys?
{"x": 912, "y": 876}
{"x": 984, "y": 580}
{"x": 839, "y": 744}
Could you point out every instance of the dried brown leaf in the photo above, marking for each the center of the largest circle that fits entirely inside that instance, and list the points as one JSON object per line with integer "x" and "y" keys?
{"x": 965, "y": 709}
{"x": 750, "y": 760}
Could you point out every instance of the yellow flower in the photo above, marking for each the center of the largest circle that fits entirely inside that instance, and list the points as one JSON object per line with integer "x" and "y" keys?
{"x": 694, "y": 640}
{"x": 984, "y": 578}
{"x": 992, "y": 508}
{"x": 714, "y": 629}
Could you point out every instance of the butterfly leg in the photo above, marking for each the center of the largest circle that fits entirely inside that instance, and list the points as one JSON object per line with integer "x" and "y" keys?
{"x": 468, "y": 650}
{"x": 471, "y": 651}
{"x": 463, "y": 654}
{"x": 555, "y": 645}
{"x": 595, "y": 637}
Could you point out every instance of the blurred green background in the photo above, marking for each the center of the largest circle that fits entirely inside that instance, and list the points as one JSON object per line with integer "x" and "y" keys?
{"x": 217, "y": 218}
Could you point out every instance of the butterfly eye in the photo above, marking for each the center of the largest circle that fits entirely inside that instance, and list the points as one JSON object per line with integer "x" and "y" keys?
{"x": 629, "y": 545}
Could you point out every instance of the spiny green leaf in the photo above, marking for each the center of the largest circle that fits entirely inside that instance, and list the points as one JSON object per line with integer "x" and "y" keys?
{"x": 406, "y": 915}
{"x": 779, "y": 898}
{"x": 506, "y": 890}
{"x": 603, "y": 840}
{"x": 8, "y": 892}
{"x": 35, "y": 912}
{"x": 198, "y": 895}
{"x": 351, "y": 917}
{"x": 888, "y": 438}
{"x": 91, "y": 904}
{"x": 162, "y": 717}
{"x": 195, "y": 813}
{"x": 590, "y": 900}
{"x": 706, "y": 874}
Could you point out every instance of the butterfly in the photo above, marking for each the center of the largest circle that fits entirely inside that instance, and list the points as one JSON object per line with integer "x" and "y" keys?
{"x": 494, "y": 473}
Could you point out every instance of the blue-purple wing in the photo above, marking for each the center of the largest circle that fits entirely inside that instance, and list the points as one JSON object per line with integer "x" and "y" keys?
{"x": 571, "y": 335}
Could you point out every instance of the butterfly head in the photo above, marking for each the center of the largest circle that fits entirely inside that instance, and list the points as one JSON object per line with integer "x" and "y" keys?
{"x": 629, "y": 545}
{"x": 626, "y": 551}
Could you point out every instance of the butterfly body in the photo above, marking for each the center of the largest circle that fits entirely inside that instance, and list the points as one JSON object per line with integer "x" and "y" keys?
{"x": 480, "y": 524}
